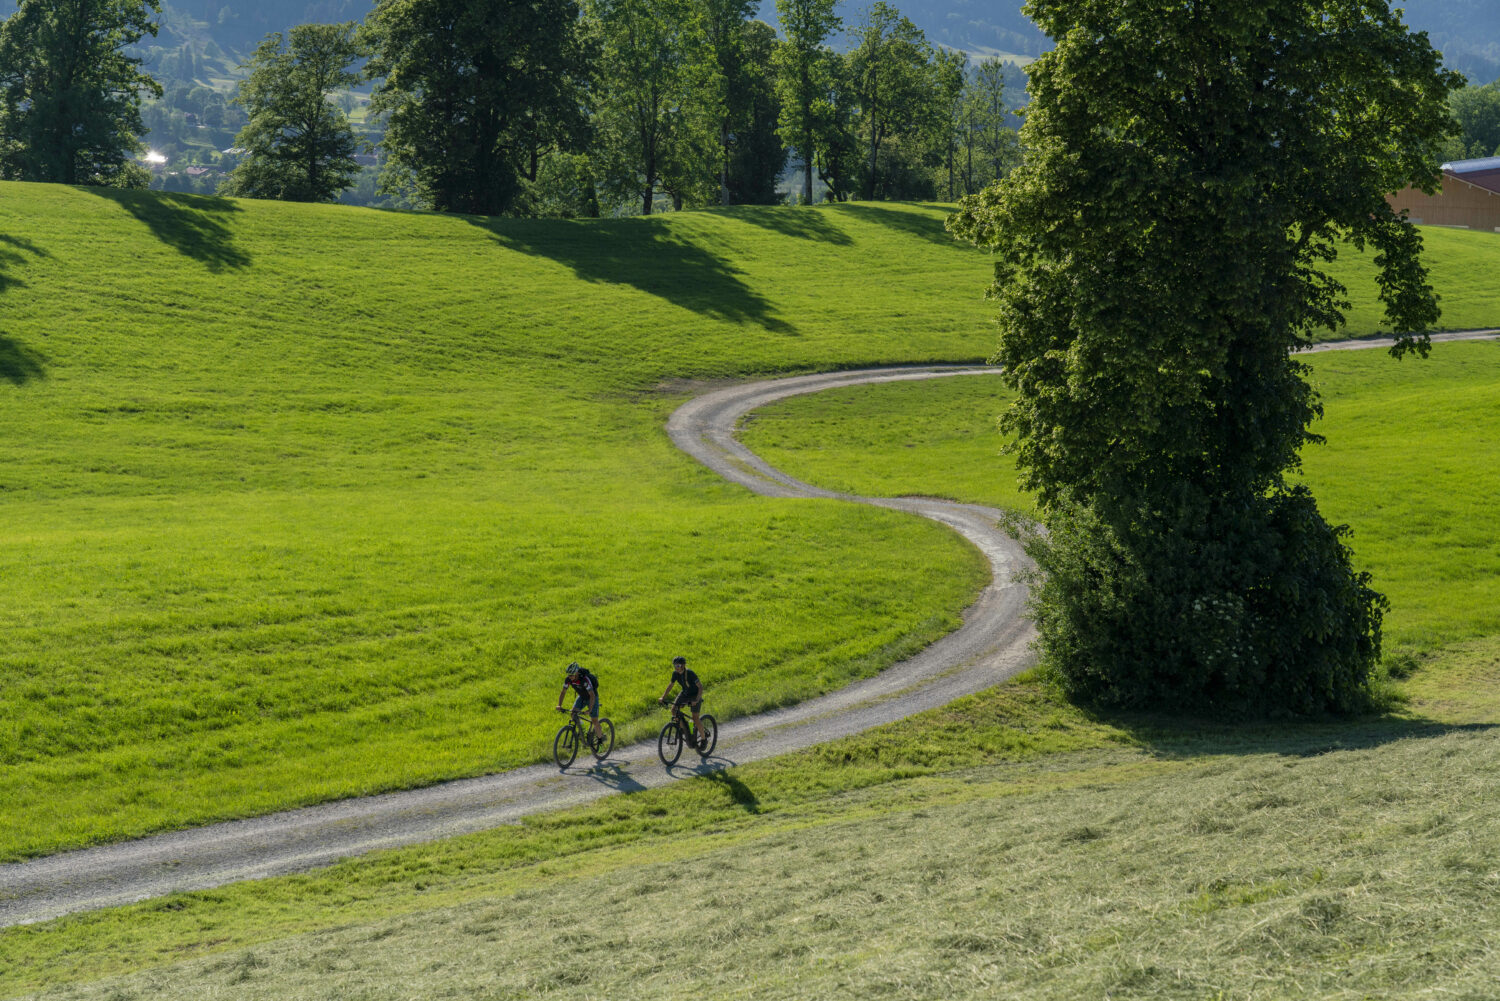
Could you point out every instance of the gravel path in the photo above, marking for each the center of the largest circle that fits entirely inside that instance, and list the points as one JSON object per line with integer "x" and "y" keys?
{"x": 992, "y": 644}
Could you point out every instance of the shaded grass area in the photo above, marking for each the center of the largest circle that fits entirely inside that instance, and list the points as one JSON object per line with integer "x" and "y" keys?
{"x": 1411, "y": 463}
{"x": 309, "y": 501}
{"x": 1008, "y": 845}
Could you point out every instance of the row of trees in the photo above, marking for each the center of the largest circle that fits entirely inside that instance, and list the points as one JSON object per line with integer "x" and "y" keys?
{"x": 491, "y": 108}
{"x": 549, "y": 107}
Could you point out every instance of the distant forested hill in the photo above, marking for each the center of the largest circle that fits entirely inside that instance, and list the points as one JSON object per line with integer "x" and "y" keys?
{"x": 224, "y": 31}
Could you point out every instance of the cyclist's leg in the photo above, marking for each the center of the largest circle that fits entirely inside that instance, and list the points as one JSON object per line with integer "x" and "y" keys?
{"x": 677, "y": 704}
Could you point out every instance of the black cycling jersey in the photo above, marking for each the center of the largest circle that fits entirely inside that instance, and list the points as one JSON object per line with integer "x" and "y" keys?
{"x": 688, "y": 680}
{"x": 583, "y": 683}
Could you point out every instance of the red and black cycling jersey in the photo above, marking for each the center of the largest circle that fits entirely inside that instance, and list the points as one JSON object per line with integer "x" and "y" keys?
{"x": 688, "y": 680}
{"x": 583, "y": 683}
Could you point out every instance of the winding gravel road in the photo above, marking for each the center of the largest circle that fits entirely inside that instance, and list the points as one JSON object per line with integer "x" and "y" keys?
{"x": 991, "y": 645}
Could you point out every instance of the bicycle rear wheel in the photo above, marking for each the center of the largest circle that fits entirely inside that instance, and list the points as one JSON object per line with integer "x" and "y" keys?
{"x": 669, "y": 744}
{"x": 565, "y": 746}
{"x": 708, "y": 734}
{"x": 606, "y": 739}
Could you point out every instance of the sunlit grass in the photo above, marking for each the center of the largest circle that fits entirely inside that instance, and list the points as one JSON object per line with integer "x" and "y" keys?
{"x": 311, "y": 501}
{"x": 1412, "y": 464}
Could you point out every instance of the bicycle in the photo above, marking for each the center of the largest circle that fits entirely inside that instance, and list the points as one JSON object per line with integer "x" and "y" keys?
{"x": 576, "y": 733}
{"x": 678, "y": 731}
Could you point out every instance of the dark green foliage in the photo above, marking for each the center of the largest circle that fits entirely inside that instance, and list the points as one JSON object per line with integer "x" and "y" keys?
{"x": 1256, "y": 610}
{"x": 301, "y": 147}
{"x": 474, "y": 92}
{"x": 1477, "y": 112}
{"x": 70, "y": 97}
{"x": 757, "y": 154}
{"x": 646, "y": 140}
{"x": 805, "y": 71}
{"x": 895, "y": 90}
{"x": 1191, "y": 171}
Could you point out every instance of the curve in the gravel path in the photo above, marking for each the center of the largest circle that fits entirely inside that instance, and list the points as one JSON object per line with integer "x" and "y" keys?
{"x": 991, "y": 645}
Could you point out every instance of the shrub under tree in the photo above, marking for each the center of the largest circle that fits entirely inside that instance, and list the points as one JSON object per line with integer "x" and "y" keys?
{"x": 1191, "y": 170}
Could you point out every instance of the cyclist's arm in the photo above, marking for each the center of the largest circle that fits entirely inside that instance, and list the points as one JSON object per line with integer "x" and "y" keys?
{"x": 561, "y": 693}
{"x": 668, "y": 690}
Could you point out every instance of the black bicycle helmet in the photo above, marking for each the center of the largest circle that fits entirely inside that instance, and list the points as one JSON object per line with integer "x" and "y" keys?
{"x": 679, "y": 662}
{"x": 573, "y": 669}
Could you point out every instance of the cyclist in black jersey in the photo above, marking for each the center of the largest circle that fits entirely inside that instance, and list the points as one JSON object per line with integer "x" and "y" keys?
{"x": 692, "y": 690}
{"x": 587, "y": 687}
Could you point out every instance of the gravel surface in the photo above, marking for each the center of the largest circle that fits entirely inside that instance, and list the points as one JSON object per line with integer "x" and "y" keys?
{"x": 992, "y": 645}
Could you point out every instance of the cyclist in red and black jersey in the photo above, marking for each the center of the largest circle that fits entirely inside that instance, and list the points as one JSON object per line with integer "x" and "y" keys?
{"x": 692, "y": 690}
{"x": 587, "y": 687}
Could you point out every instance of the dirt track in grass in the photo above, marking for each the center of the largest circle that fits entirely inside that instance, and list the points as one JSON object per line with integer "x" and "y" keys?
{"x": 992, "y": 645}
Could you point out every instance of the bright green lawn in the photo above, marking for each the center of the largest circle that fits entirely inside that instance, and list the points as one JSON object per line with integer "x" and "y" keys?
{"x": 1412, "y": 463}
{"x": 304, "y": 502}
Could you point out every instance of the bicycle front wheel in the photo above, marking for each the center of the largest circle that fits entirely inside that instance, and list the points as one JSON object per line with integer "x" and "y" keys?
{"x": 606, "y": 738}
{"x": 669, "y": 744}
{"x": 708, "y": 734}
{"x": 565, "y": 746}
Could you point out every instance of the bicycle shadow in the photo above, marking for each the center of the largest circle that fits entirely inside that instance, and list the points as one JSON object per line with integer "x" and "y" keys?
{"x": 612, "y": 775}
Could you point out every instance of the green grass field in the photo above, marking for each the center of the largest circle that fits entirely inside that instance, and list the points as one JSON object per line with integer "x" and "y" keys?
{"x": 1411, "y": 463}
{"x": 312, "y": 501}
{"x": 306, "y": 502}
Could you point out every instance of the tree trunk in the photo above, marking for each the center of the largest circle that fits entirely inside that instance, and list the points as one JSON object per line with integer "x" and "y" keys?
{"x": 724, "y": 164}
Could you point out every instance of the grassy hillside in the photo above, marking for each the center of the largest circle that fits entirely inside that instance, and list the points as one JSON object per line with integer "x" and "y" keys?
{"x": 305, "y": 502}
{"x": 1412, "y": 463}
{"x": 286, "y": 524}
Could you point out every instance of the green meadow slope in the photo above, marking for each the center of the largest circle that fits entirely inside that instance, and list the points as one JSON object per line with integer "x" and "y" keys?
{"x": 1411, "y": 462}
{"x": 306, "y": 502}
{"x": 494, "y": 449}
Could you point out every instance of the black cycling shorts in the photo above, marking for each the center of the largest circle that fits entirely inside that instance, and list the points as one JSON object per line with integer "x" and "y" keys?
{"x": 693, "y": 698}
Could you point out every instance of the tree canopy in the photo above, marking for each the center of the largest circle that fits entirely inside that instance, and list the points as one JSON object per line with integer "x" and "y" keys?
{"x": 472, "y": 90}
{"x": 1190, "y": 169}
{"x": 70, "y": 96}
{"x": 301, "y": 147}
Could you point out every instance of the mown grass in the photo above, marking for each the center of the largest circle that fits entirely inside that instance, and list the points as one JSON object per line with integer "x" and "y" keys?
{"x": 1411, "y": 463}
{"x": 1008, "y": 845}
{"x": 309, "y": 501}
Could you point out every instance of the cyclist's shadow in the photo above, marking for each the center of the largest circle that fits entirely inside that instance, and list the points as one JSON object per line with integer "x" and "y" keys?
{"x": 614, "y": 775}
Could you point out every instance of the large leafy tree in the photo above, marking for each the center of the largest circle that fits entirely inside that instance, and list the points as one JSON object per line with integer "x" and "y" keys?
{"x": 650, "y": 134}
{"x": 805, "y": 66}
{"x": 1477, "y": 111}
{"x": 301, "y": 146}
{"x": 70, "y": 96}
{"x": 983, "y": 134}
{"x": 1192, "y": 167}
{"x": 718, "y": 72}
{"x": 895, "y": 88}
{"x": 756, "y": 152}
{"x": 471, "y": 90}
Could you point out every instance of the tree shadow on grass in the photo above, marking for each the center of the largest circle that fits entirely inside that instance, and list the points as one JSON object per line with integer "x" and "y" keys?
{"x": 912, "y": 223}
{"x": 195, "y": 226}
{"x": 18, "y": 363}
{"x": 802, "y": 223}
{"x": 1169, "y": 737}
{"x": 644, "y": 254}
